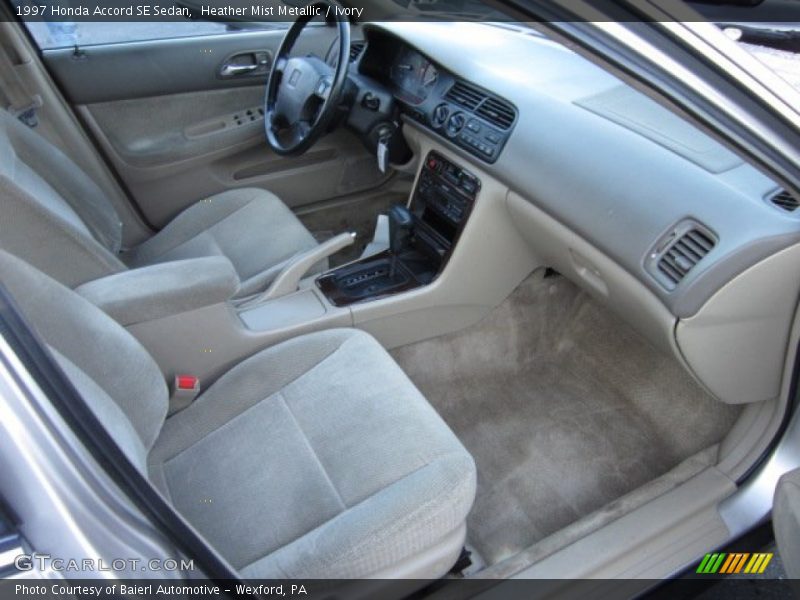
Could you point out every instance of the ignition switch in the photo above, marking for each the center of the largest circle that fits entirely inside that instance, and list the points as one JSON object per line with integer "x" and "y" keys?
{"x": 371, "y": 102}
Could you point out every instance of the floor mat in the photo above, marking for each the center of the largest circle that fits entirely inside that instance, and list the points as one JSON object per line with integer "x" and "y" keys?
{"x": 359, "y": 215}
{"x": 564, "y": 407}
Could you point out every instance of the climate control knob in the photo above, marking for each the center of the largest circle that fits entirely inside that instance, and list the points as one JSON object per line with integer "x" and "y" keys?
{"x": 440, "y": 115}
{"x": 455, "y": 124}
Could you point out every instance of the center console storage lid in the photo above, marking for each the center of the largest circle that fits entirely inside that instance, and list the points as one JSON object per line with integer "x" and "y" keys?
{"x": 163, "y": 289}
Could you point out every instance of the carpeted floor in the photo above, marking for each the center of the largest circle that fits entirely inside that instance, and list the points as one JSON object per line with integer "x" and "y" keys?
{"x": 564, "y": 407}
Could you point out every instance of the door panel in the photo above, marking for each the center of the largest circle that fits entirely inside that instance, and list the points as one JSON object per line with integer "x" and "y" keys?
{"x": 177, "y": 129}
{"x": 173, "y": 150}
{"x": 162, "y": 131}
{"x": 109, "y": 72}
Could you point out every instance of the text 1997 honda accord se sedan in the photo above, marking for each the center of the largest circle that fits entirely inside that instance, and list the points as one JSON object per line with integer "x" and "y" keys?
{"x": 428, "y": 291}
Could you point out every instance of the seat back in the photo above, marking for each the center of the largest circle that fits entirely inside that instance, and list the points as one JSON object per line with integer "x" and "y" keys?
{"x": 112, "y": 371}
{"x": 51, "y": 213}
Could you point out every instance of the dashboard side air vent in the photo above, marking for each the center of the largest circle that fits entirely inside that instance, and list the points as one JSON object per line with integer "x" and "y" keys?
{"x": 498, "y": 112}
{"x": 678, "y": 252}
{"x": 465, "y": 95}
{"x": 356, "y": 48}
{"x": 785, "y": 201}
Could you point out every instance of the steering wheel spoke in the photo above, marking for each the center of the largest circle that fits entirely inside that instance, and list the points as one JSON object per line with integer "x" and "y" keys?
{"x": 323, "y": 88}
{"x": 280, "y": 64}
{"x": 303, "y": 93}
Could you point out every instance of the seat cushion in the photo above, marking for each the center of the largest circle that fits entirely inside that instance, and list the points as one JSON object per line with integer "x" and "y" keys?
{"x": 316, "y": 458}
{"x": 251, "y": 227}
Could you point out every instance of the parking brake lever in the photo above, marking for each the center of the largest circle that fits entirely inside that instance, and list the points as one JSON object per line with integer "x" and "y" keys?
{"x": 289, "y": 278}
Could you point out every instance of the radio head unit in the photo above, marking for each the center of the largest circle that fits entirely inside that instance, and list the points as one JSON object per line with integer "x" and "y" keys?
{"x": 443, "y": 199}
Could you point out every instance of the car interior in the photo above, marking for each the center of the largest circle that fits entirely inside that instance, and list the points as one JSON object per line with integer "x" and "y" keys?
{"x": 441, "y": 313}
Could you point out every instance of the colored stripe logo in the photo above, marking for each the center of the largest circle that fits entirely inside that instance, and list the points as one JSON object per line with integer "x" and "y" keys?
{"x": 735, "y": 562}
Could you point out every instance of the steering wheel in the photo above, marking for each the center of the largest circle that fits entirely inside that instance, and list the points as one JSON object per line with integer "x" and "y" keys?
{"x": 304, "y": 92}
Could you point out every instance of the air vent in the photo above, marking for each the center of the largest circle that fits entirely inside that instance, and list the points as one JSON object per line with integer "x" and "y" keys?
{"x": 465, "y": 95}
{"x": 497, "y": 112}
{"x": 785, "y": 201}
{"x": 356, "y": 48}
{"x": 684, "y": 254}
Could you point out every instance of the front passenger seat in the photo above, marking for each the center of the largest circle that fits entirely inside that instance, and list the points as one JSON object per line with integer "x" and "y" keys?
{"x": 57, "y": 219}
{"x": 315, "y": 458}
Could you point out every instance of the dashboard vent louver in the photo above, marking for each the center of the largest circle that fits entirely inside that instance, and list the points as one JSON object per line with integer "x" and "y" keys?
{"x": 497, "y": 112}
{"x": 785, "y": 201}
{"x": 684, "y": 254}
{"x": 356, "y": 48}
{"x": 465, "y": 95}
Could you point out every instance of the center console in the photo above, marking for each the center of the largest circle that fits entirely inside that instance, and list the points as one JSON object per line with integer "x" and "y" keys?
{"x": 204, "y": 337}
{"x": 421, "y": 240}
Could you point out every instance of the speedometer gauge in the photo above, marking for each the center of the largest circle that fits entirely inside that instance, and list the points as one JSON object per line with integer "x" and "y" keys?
{"x": 413, "y": 75}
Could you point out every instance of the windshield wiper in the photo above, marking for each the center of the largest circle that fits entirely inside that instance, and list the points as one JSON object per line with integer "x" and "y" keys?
{"x": 783, "y": 36}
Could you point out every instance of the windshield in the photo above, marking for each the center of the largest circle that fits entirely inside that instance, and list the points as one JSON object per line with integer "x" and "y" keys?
{"x": 777, "y": 45}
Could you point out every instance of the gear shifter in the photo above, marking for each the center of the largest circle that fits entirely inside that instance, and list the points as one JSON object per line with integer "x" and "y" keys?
{"x": 400, "y": 224}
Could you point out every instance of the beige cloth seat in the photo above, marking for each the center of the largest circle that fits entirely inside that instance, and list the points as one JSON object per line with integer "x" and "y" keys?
{"x": 315, "y": 458}
{"x": 56, "y": 218}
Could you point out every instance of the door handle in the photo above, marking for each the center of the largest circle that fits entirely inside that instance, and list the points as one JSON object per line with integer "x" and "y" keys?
{"x": 243, "y": 63}
{"x": 231, "y": 70}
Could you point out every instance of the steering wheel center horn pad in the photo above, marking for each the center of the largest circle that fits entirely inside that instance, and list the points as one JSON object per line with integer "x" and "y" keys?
{"x": 303, "y": 92}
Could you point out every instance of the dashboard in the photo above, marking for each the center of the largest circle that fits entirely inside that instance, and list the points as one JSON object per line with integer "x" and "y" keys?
{"x": 614, "y": 166}
{"x": 455, "y": 108}
{"x": 607, "y": 186}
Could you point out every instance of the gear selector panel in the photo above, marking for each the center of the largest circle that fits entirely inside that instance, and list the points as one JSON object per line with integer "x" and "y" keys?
{"x": 440, "y": 206}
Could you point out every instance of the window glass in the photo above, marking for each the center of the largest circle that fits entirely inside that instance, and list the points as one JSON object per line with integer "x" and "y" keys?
{"x": 59, "y": 34}
{"x": 775, "y": 45}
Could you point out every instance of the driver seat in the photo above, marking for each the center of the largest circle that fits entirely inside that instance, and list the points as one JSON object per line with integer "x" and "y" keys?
{"x": 57, "y": 219}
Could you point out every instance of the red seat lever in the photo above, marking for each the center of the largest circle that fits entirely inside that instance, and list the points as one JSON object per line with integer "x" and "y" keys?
{"x": 186, "y": 382}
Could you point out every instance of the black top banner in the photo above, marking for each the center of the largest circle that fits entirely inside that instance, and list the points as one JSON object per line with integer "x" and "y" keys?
{"x": 783, "y": 15}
